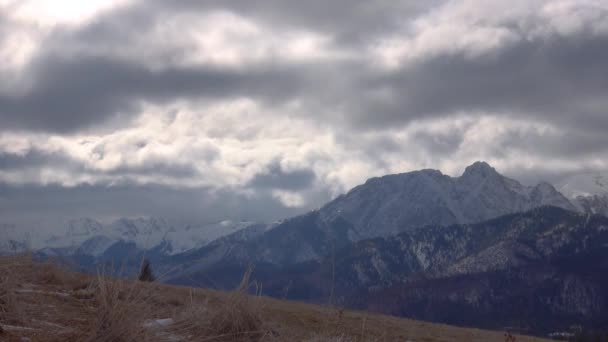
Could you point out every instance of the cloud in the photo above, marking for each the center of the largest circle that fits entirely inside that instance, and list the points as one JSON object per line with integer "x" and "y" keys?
{"x": 289, "y": 103}
{"x": 278, "y": 178}
{"x": 35, "y": 204}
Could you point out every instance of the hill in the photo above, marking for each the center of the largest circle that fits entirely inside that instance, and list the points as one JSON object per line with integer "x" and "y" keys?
{"x": 547, "y": 263}
{"x": 42, "y": 302}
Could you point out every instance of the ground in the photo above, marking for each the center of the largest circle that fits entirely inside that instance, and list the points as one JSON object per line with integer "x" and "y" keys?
{"x": 43, "y": 302}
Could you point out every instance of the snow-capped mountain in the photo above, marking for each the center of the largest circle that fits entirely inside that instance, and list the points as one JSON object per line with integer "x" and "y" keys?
{"x": 386, "y": 206}
{"x": 76, "y": 231}
{"x": 393, "y": 203}
{"x": 587, "y": 191}
{"x": 90, "y": 237}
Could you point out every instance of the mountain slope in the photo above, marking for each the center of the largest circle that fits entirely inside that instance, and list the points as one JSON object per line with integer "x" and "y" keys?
{"x": 545, "y": 260}
{"x": 587, "y": 191}
{"x": 50, "y": 304}
{"x": 393, "y": 203}
{"x": 90, "y": 237}
{"x": 381, "y": 207}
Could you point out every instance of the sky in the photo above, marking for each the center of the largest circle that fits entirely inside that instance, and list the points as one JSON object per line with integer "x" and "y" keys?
{"x": 262, "y": 109}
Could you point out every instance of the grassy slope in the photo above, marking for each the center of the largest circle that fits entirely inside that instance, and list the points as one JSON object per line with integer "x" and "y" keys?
{"x": 44, "y": 303}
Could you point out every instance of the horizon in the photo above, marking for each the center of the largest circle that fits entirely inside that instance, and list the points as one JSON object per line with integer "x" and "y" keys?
{"x": 59, "y": 222}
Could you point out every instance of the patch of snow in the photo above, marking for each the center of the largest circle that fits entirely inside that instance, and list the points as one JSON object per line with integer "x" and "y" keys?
{"x": 54, "y": 293}
{"x": 90, "y": 237}
{"x": 155, "y": 323}
{"x": 584, "y": 184}
{"x": 8, "y": 327}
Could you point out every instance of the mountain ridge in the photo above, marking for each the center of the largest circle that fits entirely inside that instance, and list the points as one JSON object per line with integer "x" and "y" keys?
{"x": 545, "y": 258}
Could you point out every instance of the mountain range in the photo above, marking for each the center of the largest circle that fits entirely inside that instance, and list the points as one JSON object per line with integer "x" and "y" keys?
{"x": 389, "y": 205}
{"x": 480, "y": 249}
{"x": 90, "y": 237}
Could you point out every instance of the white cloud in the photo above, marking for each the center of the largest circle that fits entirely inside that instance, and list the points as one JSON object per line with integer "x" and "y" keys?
{"x": 475, "y": 28}
{"x": 216, "y": 38}
{"x": 223, "y": 145}
{"x": 49, "y": 13}
{"x": 289, "y": 199}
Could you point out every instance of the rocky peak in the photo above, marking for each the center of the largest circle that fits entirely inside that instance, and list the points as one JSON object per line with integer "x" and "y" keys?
{"x": 395, "y": 203}
{"x": 480, "y": 169}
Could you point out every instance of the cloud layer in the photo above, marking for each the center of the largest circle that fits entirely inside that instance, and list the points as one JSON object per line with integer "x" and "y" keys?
{"x": 281, "y": 105}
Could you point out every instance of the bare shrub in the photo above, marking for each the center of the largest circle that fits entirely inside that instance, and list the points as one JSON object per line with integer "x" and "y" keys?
{"x": 10, "y": 311}
{"x": 236, "y": 318}
{"x": 118, "y": 312}
{"x": 8, "y": 307}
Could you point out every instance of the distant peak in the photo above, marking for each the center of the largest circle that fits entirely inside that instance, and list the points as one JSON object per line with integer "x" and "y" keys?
{"x": 545, "y": 185}
{"x": 480, "y": 168}
{"x": 431, "y": 172}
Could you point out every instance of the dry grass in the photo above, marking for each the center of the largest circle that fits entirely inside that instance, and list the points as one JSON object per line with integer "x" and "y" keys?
{"x": 238, "y": 317}
{"x": 10, "y": 312}
{"x": 119, "y": 305}
{"x": 42, "y": 302}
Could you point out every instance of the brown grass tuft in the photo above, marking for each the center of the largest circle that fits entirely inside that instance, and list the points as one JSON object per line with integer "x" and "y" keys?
{"x": 10, "y": 312}
{"x": 119, "y": 311}
{"x": 67, "y": 306}
{"x": 54, "y": 273}
{"x": 237, "y": 317}
{"x": 8, "y": 307}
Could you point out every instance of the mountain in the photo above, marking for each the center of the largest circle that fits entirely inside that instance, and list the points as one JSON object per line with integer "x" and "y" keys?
{"x": 90, "y": 237}
{"x": 382, "y": 207}
{"x": 393, "y": 203}
{"x": 467, "y": 250}
{"x": 541, "y": 270}
{"x": 479, "y": 242}
{"x": 587, "y": 191}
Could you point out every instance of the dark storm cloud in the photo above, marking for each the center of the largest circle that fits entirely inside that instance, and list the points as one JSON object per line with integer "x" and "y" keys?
{"x": 552, "y": 81}
{"x": 553, "y": 78}
{"x": 347, "y": 19}
{"x": 277, "y": 178}
{"x": 198, "y": 204}
{"x": 440, "y": 143}
{"x": 158, "y": 168}
{"x": 35, "y": 159}
{"x": 69, "y": 94}
{"x": 570, "y": 144}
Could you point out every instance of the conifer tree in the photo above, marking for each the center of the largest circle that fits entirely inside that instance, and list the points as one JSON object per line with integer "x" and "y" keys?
{"x": 145, "y": 273}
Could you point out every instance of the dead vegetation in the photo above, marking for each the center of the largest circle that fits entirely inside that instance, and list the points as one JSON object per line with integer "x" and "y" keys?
{"x": 9, "y": 311}
{"x": 238, "y": 317}
{"x": 43, "y": 302}
{"x": 119, "y": 305}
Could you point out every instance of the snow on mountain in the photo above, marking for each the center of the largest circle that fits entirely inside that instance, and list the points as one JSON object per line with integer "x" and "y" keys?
{"x": 75, "y": 232}
{"x": 584, "y": 184}
{"x": 90, "y": 237}
{"x": 144, "y": 232}
{"x": 96, "y": 245}
{"x": 197, "y": 236}
{"x": 382, "y": 207}
{"x": 390, "y": 204}
{"x": 588, "y": 192}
